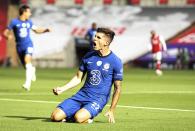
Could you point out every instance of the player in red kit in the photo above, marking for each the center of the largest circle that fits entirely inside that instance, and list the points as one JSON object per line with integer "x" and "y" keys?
{"x": 158, "y": 45}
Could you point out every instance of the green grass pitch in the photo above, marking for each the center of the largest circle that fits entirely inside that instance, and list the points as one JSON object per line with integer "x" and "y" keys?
{"x": 147, "y": 102}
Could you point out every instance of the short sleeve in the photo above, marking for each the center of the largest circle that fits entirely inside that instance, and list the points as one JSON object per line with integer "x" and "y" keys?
{"x": 11, "y": 25}
{"x": 82, "y": 66}
{"x": 33, "y": 27}
{"x": 118, "y": 71}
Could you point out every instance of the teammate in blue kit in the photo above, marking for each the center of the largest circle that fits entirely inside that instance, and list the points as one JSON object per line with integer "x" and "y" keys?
{"x": 21, "y": 27}
{"x": 91, "y": 34}
{"x": 103, "y": 68}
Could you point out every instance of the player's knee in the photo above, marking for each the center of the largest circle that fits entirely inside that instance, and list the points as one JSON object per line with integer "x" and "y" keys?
{"x": 58, "y": 115}
{"x": 55, "y": 117}
{"x": 52, "y": 117}
{"x": 78, "y": 118}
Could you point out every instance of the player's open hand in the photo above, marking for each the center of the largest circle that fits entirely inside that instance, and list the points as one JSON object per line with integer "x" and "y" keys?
{"x": 110, "y": 115}
{"x": 49, "y": 30}
{"x": 46, "y": 30}
{"x": 57, "y": 90}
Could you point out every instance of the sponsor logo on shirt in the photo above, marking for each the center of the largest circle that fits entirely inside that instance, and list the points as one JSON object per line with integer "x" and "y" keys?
{"x": 95, "y": 78}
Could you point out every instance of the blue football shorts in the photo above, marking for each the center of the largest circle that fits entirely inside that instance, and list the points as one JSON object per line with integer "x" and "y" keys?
{"x": 24, "y": 51}
{"x": 70, "y": 106}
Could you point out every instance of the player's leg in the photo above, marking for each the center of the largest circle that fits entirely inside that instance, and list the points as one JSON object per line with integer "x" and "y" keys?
{"x": 28, "y": 60}
{"x": 65, "y": 109}
{"x": 58, "y": 115}
{"x": 158, "y": 63}
{"x": 33, "y": 74}
{"x": 29, "y": 73}
{"x": 82, "y": 116}
{"x": 25, "y": 60}
{"x": 88, "y": 112}
{"x": 30, "y": 70}
{"x": 154, "y": 61}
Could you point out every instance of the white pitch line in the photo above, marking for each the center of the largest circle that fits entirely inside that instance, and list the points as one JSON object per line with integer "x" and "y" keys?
{"x": 160, "y": 92}
{"x": 155, "y": 108}
{"x": 32, "y": 94}
{"x": 32, "y": 101}
{"x": 26, "y": 94}
{"x": 120, "y": 106}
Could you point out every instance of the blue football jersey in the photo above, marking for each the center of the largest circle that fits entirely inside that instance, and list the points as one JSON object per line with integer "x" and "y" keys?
{"x": 91, "y": 33}
{"x": 21, "y": 31}
{"x": 101, "y": 73}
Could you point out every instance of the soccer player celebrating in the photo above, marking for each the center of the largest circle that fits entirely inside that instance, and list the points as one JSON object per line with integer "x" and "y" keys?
{"x": 21, "y": 28}
{"x": 158, "y": 45}
{"x": 103, "y": 68}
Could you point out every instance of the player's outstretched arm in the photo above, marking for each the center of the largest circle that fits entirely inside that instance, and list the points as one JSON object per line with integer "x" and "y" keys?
{"x": 39, "y": 30}
{"x": 162, "y": 41}
{"x": 115, "y": 98}
{"x": 7, "y": 34}
{"x": 72, "y": 83}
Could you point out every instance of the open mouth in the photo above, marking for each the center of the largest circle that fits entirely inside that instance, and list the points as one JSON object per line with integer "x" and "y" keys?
{"x": 94, "y": 44}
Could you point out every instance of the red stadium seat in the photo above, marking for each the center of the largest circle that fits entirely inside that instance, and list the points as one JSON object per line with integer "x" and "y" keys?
{"x": 107, "y": 2}
{"x": 163, "y": 2}
{"x": 191, "y": 2}
{"x": 3, "y": 24}
{"x": 23, "y": 1}
{"x": 79, "y": 2}
{"x": 51, "y": 1}
{"x": 134, "y": 2}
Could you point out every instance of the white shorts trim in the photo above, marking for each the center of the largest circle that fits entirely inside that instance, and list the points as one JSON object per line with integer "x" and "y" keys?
{"x": 157, "y": 56}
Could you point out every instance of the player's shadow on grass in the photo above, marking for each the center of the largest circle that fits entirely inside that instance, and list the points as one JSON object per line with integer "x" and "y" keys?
{"x": 45, "y": 119}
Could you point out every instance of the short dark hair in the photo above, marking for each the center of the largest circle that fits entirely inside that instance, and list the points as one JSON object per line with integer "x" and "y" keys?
{"x": 23, "y": 8}
{"x": 109, "y": 33}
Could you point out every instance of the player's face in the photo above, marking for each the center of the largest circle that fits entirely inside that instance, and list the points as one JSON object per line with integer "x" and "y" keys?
{"x": 27, "y": 13}
{"x": 94, "y": 26}
{"x": 100, "y": 41}
{"x": 153, "y": 33}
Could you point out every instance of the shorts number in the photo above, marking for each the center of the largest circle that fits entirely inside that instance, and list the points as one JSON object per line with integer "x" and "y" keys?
{"x": 30, "y": 50}
{"x": 95, "y": 106}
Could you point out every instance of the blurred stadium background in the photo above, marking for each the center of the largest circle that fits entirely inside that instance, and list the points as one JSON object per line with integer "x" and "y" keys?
{"x": 132, "y": 21}
{"x": 147, "y": 103}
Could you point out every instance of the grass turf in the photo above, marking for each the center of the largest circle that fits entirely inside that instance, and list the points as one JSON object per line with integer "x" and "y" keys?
{"x": 141, "y": 88}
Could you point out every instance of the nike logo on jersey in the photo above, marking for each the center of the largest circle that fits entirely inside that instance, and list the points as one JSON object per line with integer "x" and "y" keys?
{"x": 89, "y": 62}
